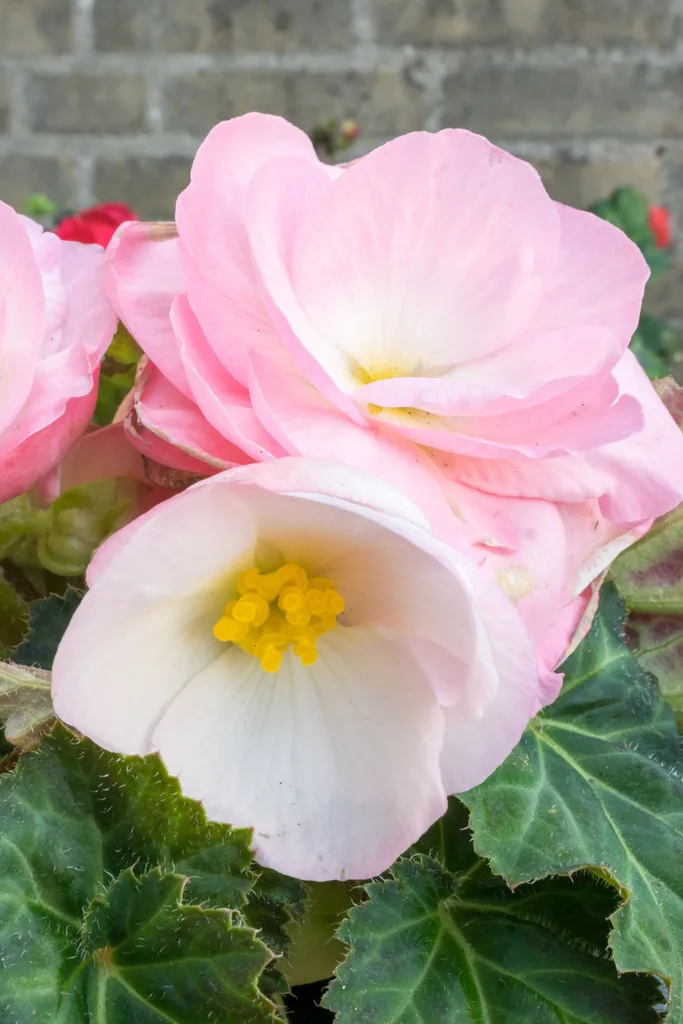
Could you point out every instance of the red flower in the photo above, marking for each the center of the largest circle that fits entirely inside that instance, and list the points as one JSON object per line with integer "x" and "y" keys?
{"x": 97, "y": 224}
{"x": 660, "y": 226}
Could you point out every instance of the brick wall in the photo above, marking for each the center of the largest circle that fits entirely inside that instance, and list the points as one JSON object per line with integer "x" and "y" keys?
{"x": 107, "y": 99}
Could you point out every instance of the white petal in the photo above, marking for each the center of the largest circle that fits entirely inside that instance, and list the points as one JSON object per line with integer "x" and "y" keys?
{"x": 145, "y": 628}
{"x": 335, "y": 766}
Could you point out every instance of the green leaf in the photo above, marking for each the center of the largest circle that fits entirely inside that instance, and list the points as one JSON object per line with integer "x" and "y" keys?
{"x": 81, "y": 518}
{"x": 48, "y": 619}
{"x": 649, "y": 577}
{"x": 442, "y": 939}
{"x": 13, "y": 617}
{"x": 117, "y": 375}
{"x": 658, "y": 643}
{"x": 153, "y": 959}
{"x": 123, "y": 348}
{"x": 112, "y": 390}
{"x": 75, "y": 817}
{"x": 39, "y": 206}
{"x": 596, "y": 781}
{"x": 654, "y": 344}
{"x": 25, "y": 704}
{"x": 19, "y": 520}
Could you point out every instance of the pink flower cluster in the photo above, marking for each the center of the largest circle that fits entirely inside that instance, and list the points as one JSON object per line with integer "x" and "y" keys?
{"x": 408, "y": 376}
{"x": 428, "y": 315}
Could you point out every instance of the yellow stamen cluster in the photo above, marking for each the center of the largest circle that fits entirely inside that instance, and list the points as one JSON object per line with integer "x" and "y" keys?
{"x": 276, "y": 609}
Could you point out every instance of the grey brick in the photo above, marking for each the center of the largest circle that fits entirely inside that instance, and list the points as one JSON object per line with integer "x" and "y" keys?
{"x": 24, "y": 176}
{"x": 520, "y": 22}
{"x": 150, "y": 185}
{"x": 384, "y": 102}
{"x": 210, "y": 26}
{"x": 123, "y": 26}
{"x": 94, "y": 103}
{"x": 4, "y": 104}
{"x": 624, "y": 99}
{"x": 34, "y": 27}
{"x": 581, "y": 182}
{"x": 665, "y": 295}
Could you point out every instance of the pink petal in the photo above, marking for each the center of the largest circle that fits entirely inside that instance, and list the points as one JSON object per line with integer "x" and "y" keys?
{"x": 578, "y": 421}
{"x": 535, "y": 368}
{"x": 22, "y": 320}
{"x": 188, "y": 442}
{"x": 104, "y": 453}
{"x": 144, "y": 278}
{"x": 596, "y": 279}
{"x": 36, "y": 453}
{"x": 645, "y": 471}
{"x": 222, "y": 399}
{"x": 278, "y": 201}
{"x": 222, "y": 286}
{"x": 636, "y": 479}
{"x": 426, "y": 253}
{"x": 474, "y": 746}
{"x": 304, "y": 423}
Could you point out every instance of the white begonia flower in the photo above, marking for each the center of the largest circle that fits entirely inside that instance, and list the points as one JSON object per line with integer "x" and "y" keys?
{"x": 306, "y": 658}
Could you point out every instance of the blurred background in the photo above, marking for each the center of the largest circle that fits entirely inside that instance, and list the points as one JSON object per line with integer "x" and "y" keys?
{"x": 104, "y": 100}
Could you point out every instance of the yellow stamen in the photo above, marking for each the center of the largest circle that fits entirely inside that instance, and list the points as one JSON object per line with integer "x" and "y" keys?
{"x": 276, "y": 610}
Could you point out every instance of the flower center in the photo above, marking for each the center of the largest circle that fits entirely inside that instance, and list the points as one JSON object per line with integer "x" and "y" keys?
{"x": 276, "y": 609}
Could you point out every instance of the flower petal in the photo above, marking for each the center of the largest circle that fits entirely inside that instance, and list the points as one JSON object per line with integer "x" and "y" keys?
{"x": 335, "y": 766}
{"x": 144, "y": 278}
{"x": 145, "y": 628}
{"x": 187, "y": 441}
{"x": 424, "y": 254}
{"x": 222, "y": 285}
{"x": 223, "y": 400}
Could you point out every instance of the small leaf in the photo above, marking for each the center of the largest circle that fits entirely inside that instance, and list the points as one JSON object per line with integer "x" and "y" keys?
{"x": 649, "y": 577}
{"x": 597, "y": 781}
{"x": 25, "y": 704}
{"x": 117, "y": 375}
{"x": 80, "y": 519}
{"x": 13, "y": 617}
{"x": 48, "y": 619}
{"x": 123, "y": 348}
{"x": 442, "y": 939}
{"x": 153, "y": 959}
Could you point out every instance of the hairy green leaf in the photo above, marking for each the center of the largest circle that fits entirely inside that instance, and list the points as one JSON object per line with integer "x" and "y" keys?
{"x": 13, "y": 617}
{"x": 74, "y": 818}
{"x": 48, "y": 619}
{"x": 442, "y": 939}
{"x": 596, "y": 782}
{"x": 149, "y": 957}
{"x": 25, "y": 704}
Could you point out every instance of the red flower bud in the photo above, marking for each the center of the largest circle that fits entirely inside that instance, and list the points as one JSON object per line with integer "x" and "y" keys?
{"x": 97, "y": 224}
{"x": 660, "y": 226}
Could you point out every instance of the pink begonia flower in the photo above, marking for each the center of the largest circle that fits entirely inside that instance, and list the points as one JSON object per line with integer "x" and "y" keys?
{"x": 428, "y": 314}
{"x": 366, "y": 671}
{"x": 56, "y": 324}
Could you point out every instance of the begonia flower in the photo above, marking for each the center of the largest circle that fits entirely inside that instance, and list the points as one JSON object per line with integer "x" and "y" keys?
{"x": 306, "y": 657}
{"x": 55, "y": 327}
{"x": 426, "y": 313}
